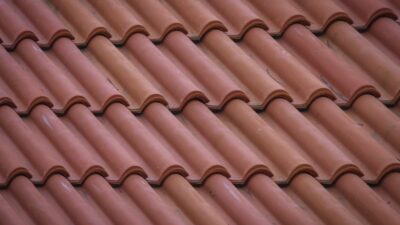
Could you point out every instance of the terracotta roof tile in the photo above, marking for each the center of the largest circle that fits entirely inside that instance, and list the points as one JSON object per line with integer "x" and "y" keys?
{"x": 82, "y": 20}
{"x": 380, "y": 69}
{"x": 261, "y": 201}
{"x": 29, "y": 19}
{"x": 199, "y": 112}
{"x": 148, "y": 17}
{"x": 58, "y": 77}
{"x": 324, "y": 141}
{"x": 167, "y": 74}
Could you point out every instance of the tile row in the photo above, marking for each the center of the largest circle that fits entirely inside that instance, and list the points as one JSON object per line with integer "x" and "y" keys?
{"x": 45, "y": 21}
{"x": 217, "y": 201}
{"x": 299, "y": 67}
{"x": 237, "y": 142}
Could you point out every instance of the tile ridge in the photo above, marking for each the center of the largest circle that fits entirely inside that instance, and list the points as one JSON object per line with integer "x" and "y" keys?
{"x": 196, "y": 184}
{"x": 178, "y": 27}
{"x": 338, "y": 16}
{"x": 256, "y": 22}
{"x": 22, "y": 36}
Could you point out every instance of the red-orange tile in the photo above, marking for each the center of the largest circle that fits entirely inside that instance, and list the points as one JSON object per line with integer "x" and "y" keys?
{"x": 304, "y": 201}
{"x": 327, "y": 65}
{"x": 29, "y": 19}
{"x": 59, "y": 77}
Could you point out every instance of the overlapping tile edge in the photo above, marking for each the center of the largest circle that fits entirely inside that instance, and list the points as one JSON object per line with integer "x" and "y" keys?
{"x": 217, "y": 201}
{"x": 82, "y": 20}
{"x": 237, "y": 142}
{"x": 166, "y": 73}
{"x": 318, "y": 117}
{"x": 83, "y": 90}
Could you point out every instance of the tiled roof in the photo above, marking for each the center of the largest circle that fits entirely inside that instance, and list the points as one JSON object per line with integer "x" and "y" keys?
{"x": 199, "y": 112}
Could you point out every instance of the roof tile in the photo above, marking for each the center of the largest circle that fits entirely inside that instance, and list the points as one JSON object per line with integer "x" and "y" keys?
{"x": 277, "y": 15}
{"x": 259, "y": 87}
{"x": 157, "y": 19}
{"x": 381, "y": 70}
{"x": 58, "y": 77}
{"x": 29, "y": 19}
{"x": 364, "y": 13}
{"x": 148, "y": 17}
{"x": 199, "y": 112}
{"x": 176, "y": 201}
{"x": 236, "y": 142}
{"x": 301, "y": 84}
{"x": 326, "y": 65}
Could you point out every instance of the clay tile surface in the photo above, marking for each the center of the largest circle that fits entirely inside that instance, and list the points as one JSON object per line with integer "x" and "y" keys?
{"x": 58, "y": 77}
{"x": 199, "y": 112}
{"x": 23, "y": 19}
{"x": 260, "y": 201}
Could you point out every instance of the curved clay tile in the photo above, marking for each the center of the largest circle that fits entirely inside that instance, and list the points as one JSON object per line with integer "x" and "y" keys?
{"x": 6, "y": 100}
{"x": 62, "y": 76}
{"x": 74, "y": 204}
{"x": 212, "y": 80}
{"x": 237, "y": 17}
{"x": 8, "y": 214}
{"x": 97, "y": 202}
{"x": 195, "y": 17}
{"x": 273, "y": 198}
{"x": 25, "y": 152}
{"x": 116, "y": 17}
{"x": 277, "y": 14}
{"x": 250, "y": 128}
{"x": 44, "y": 130}
{"x": 165, "y": 76}
{"x": 380, "y": 119}
{"x": 156, "y": 18}
{"x": 78, "y": 19}
{"x": 326, "y": 65}
{"x": 118, "y": 210}
{"x": 99, "y": 140}
{"x": 98, "y": 90}
{"x": 65, "y": 143}
{"x": 29, "y": 19}
{"x": 114, "y": 145}
{"x": 325, "y": 206}
{"x": 325, "y": 157}
{"x": 233, "y": 202}
{"x": 322, "y": 13}
{"x": 150, "y": 202}
{"x": 380, "y": 68}
{"x": 123, "y": 74}
{"x": 301, "y": 84}
{"x": 159, "y": 162}
{"x": 368, "y": 154}
{"x": 59, "y": 87}
{"x": 258, "y": 86}
{"x": 395, "y": 6}
{"x": 19, "y": 88}
{"x": 390, "y": 184}
{"x": 240, "y": 160}
{"x": 363, "y": 13}
{"x": 191, "y": 202}
{"x": 304, "y": 201}
{"x": 378, "y": 35}
{"x": 194, "y": 155}
{"x": 366, "y": 201}
{"x": 35, "y": 205}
